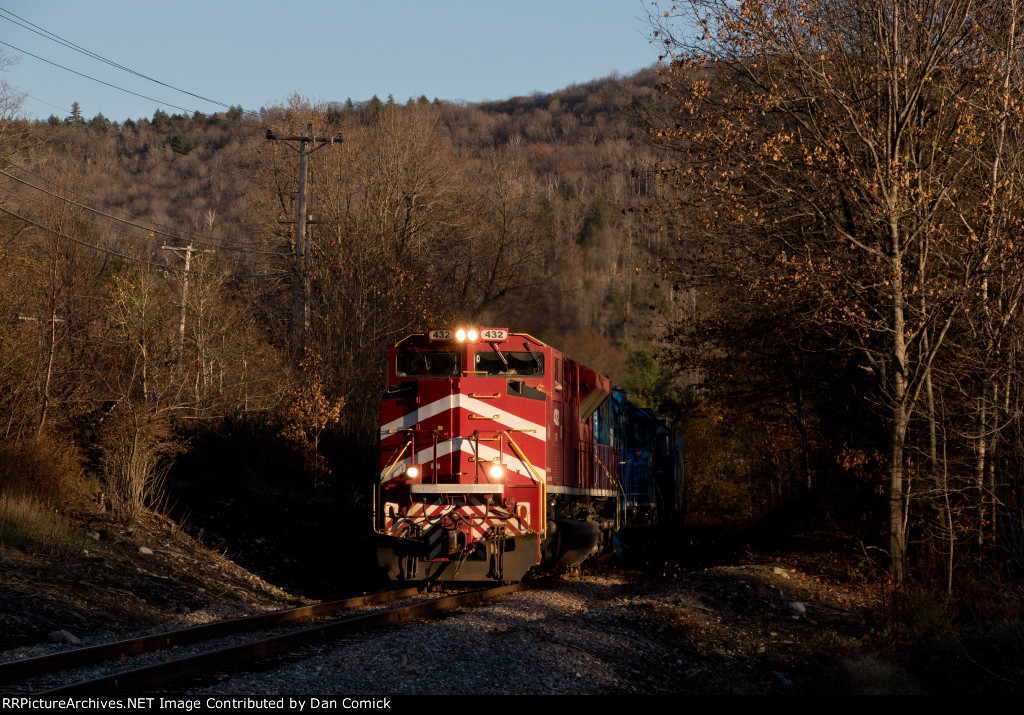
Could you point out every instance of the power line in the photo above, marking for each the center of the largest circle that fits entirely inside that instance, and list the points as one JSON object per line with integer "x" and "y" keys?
{"x": 70, "y": 45}
{"x": 222, "y": 243}
{"x": 87, "y": 244}
{"x": 32, "y": 27}
{"x": 125, "y": 221}
{"x": 140, "y": 261}
{"x": 49, "y": 104}
{"x": 126, "y": 234}
{"x": 80, "y": 74}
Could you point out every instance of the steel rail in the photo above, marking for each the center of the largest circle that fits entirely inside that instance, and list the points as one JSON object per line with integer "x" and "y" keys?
{"x": 224, "y": 658}
{"x": 90, "y": 655}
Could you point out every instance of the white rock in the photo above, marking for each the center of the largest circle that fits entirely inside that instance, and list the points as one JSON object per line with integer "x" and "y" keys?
{"x": 145, "y": 551}
{"x": 797, "y": 608}
{"x": 780, "y": 572}
{"x": 64, "y": 637}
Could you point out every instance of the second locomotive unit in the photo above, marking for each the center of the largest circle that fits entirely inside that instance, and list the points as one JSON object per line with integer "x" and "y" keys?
{"x": 499, "y": 453}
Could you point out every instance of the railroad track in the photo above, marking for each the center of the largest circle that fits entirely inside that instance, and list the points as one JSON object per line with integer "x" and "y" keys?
{"x": 229, "y": 657}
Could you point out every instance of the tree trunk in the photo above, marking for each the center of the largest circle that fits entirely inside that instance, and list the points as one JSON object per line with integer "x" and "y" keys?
{"x": 897, "y": 518}
{"x": 981, "y": 442}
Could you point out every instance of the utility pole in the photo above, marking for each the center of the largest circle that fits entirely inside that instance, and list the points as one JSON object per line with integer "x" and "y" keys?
{"x": 300, "y": 279}
{"x": 189, "y": 250}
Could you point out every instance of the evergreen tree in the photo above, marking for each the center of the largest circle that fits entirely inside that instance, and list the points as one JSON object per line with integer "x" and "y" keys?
{"x": 160, "y": 119}
{"x": 99, "y": 123}
{"x": 75, "y": 119}
{"x": 372, "y": 108}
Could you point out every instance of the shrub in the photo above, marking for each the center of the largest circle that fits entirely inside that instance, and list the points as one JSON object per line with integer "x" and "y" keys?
{"x": 919, "y": 616}
{"x": 137, "y": 454}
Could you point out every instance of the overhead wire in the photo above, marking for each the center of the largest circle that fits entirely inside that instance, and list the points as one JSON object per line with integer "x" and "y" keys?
{"x": 126, "y": 234}
{"x": 219, "y": 243}
{"x": 53, "y": 37}
{"x": 80, "y": 74}
{"x": 93, "y": 246}
{"x": 212, "y": 241}
{"x": 32, "y": 27}
{"x": 130, "y": 223}
{"x": 151, "y": 264}
{"x": 48, "y": 104}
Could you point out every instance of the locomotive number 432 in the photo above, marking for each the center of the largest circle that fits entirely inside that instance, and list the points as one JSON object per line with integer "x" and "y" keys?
{"x": 488, "y": 334}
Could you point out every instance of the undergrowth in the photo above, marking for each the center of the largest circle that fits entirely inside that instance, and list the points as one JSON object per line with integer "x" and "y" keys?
{"x": 27, "y": 524}
{"x": 39, "y": 477}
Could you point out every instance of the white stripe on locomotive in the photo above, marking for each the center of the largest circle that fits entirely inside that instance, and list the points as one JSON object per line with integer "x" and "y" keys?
{"x": 465, "y": 444}
{"x": 457, "y": 401}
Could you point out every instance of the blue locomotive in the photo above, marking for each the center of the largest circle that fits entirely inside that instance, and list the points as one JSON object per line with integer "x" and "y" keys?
{"x": 649, "y": 463}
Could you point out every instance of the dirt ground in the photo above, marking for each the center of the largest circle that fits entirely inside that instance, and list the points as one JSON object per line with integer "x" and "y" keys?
{"x": 110, "y": 585}
{"x": 806, "y": 615}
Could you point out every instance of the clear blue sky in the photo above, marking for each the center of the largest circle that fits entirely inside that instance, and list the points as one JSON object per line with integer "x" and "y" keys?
{"x": 258, "y": 53}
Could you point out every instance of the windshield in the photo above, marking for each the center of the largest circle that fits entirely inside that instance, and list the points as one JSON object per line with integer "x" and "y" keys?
{"x": 427, "y": 364}
{"x": 491, "y": 363}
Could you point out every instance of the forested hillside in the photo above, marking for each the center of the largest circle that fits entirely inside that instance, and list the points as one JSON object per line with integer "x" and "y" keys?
{"x": 827, "y": 303}
{"x": 534, "y": 213}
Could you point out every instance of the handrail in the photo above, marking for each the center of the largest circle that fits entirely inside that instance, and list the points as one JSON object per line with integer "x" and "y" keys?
{"x": 543, "y": 507}
{"x": 611, "y": 477}
{"x": 394, "y": 462}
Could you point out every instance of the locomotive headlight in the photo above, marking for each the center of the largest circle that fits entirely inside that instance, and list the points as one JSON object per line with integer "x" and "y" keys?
{"x": 472, "y": 335}
{"x": 460, "y": 334}
{"x": 412, "y": 471}
{"x": 496, "y": 471}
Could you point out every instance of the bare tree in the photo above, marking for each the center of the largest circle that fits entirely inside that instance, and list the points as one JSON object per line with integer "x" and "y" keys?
{"x": 828, "y": 143}
{"x": 504, "y": 255}
{"x": 11, "y": 101}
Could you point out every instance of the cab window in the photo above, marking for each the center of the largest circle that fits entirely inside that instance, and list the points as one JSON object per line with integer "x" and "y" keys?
{"x": 490, "y": 362}
{"x": 637, "y": 433}
{"x": 427, "y": 364}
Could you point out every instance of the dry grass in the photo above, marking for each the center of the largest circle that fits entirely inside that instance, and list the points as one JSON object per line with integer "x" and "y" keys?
{"x": 868, "y": 675}
{"x": 42, "y": 467}
{"x": 27, "y": 524}
{"x": 38, "y": 476}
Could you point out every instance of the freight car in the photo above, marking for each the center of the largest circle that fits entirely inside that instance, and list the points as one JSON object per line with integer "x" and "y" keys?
{"x": 499, "y": 453}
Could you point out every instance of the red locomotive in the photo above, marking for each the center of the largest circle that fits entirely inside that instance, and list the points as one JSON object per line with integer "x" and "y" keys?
{"x": 489, "y": 465}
